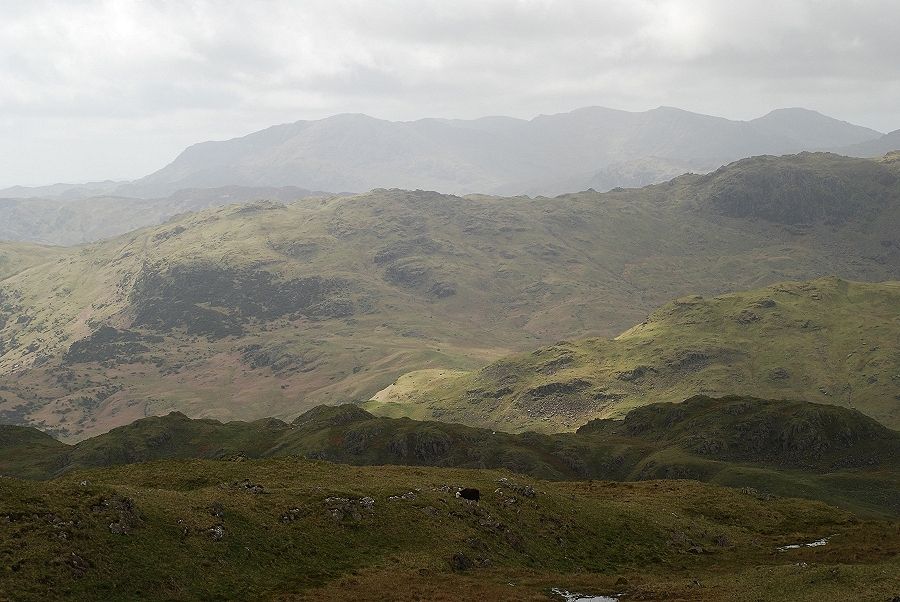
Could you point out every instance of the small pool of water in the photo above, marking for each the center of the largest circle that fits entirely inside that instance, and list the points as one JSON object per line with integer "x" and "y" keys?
{"x": 572, "y": 597}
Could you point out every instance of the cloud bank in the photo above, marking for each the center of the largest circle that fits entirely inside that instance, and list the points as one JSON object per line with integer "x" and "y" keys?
{"x": 116, "y": 88}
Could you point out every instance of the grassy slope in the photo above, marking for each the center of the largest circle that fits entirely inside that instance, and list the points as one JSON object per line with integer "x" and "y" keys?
{"x": 828, "y": 340}
{"x": 785, "y": 448}
{"x": 410, "y": 280}
{"x": 15, "y": 257}
{"x": 149, "y": 530}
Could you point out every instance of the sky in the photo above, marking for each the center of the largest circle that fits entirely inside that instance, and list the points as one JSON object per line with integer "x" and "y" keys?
{"x": 115, "y": 89}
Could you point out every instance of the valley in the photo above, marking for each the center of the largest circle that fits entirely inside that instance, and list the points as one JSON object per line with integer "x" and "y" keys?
{"x": 267, "y": 309}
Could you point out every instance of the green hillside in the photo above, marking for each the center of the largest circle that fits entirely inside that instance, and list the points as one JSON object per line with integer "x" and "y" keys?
{"x": 295, "y": 529}
{"x": 269, "y": 309}
{"x": 828, "y": 341}
{"x": 778, "y": 447}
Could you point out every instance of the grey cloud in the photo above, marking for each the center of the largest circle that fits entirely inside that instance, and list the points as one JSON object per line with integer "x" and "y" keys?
{"x": 80, "y": 78}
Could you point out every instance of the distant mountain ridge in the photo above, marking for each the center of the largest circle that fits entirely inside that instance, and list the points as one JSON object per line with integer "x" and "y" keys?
{"x": 591, "y": 148}
{"x": 63, "y": 220}
{"x": 550, "y": 154}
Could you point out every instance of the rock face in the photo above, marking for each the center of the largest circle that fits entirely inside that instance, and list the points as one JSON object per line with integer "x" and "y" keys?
{"x": 795, "y": 192}
{"x": 423, "y": 445}
{"x": 215, "y": 301}
{"x": 761, "y": 431}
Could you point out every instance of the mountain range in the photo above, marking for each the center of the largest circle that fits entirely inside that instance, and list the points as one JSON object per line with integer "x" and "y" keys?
{"x": 589, "y": 148}
{"x": 550, "y": 154}
{"x": 267, "y": 309}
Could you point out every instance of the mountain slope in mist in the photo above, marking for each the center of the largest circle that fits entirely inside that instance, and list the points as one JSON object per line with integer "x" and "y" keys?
{"x": 64, "y": 221}
{"x": 549, "y": 154}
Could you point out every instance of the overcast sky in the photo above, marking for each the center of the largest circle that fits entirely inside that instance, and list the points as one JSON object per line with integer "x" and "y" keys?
{"x": 116, "y": 89}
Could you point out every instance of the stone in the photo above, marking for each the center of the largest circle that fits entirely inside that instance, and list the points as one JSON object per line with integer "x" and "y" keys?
{"x": 460, "y": 562}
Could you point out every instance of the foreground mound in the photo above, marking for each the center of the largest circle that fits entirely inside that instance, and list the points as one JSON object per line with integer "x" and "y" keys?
{"x": 295, "y": 529}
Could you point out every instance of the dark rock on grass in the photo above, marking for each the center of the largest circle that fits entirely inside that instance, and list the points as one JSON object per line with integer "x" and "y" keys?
{"x": 216, "y": 533}
{"x": 342, "y": 509}
{"x": 442, "y": 290}
{"x": 523, "y": 490}
{"x": 216, "y": 509}
{"x": 77, "y": 564}
{"x": 747, "y": 317}
{"x": 459, "y": 562}
{"x": 636, "y": 373}
{"x": 779, "y": 374}
{"x": 216, "y": 301}
{"x": 560, "y": 388}
{"x": 248, "y": 486}
{"x": 424, "y": 444}
{"x": 125, "y": 515}
{"x": 408, "y": 274}
{"x": 110, "y": 344}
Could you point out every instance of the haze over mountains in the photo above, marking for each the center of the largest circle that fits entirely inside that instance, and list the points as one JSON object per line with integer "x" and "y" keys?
{"x": 593, "y": 147}
{"x": 550, "y": 154}
{"x": 76, "y": 220}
